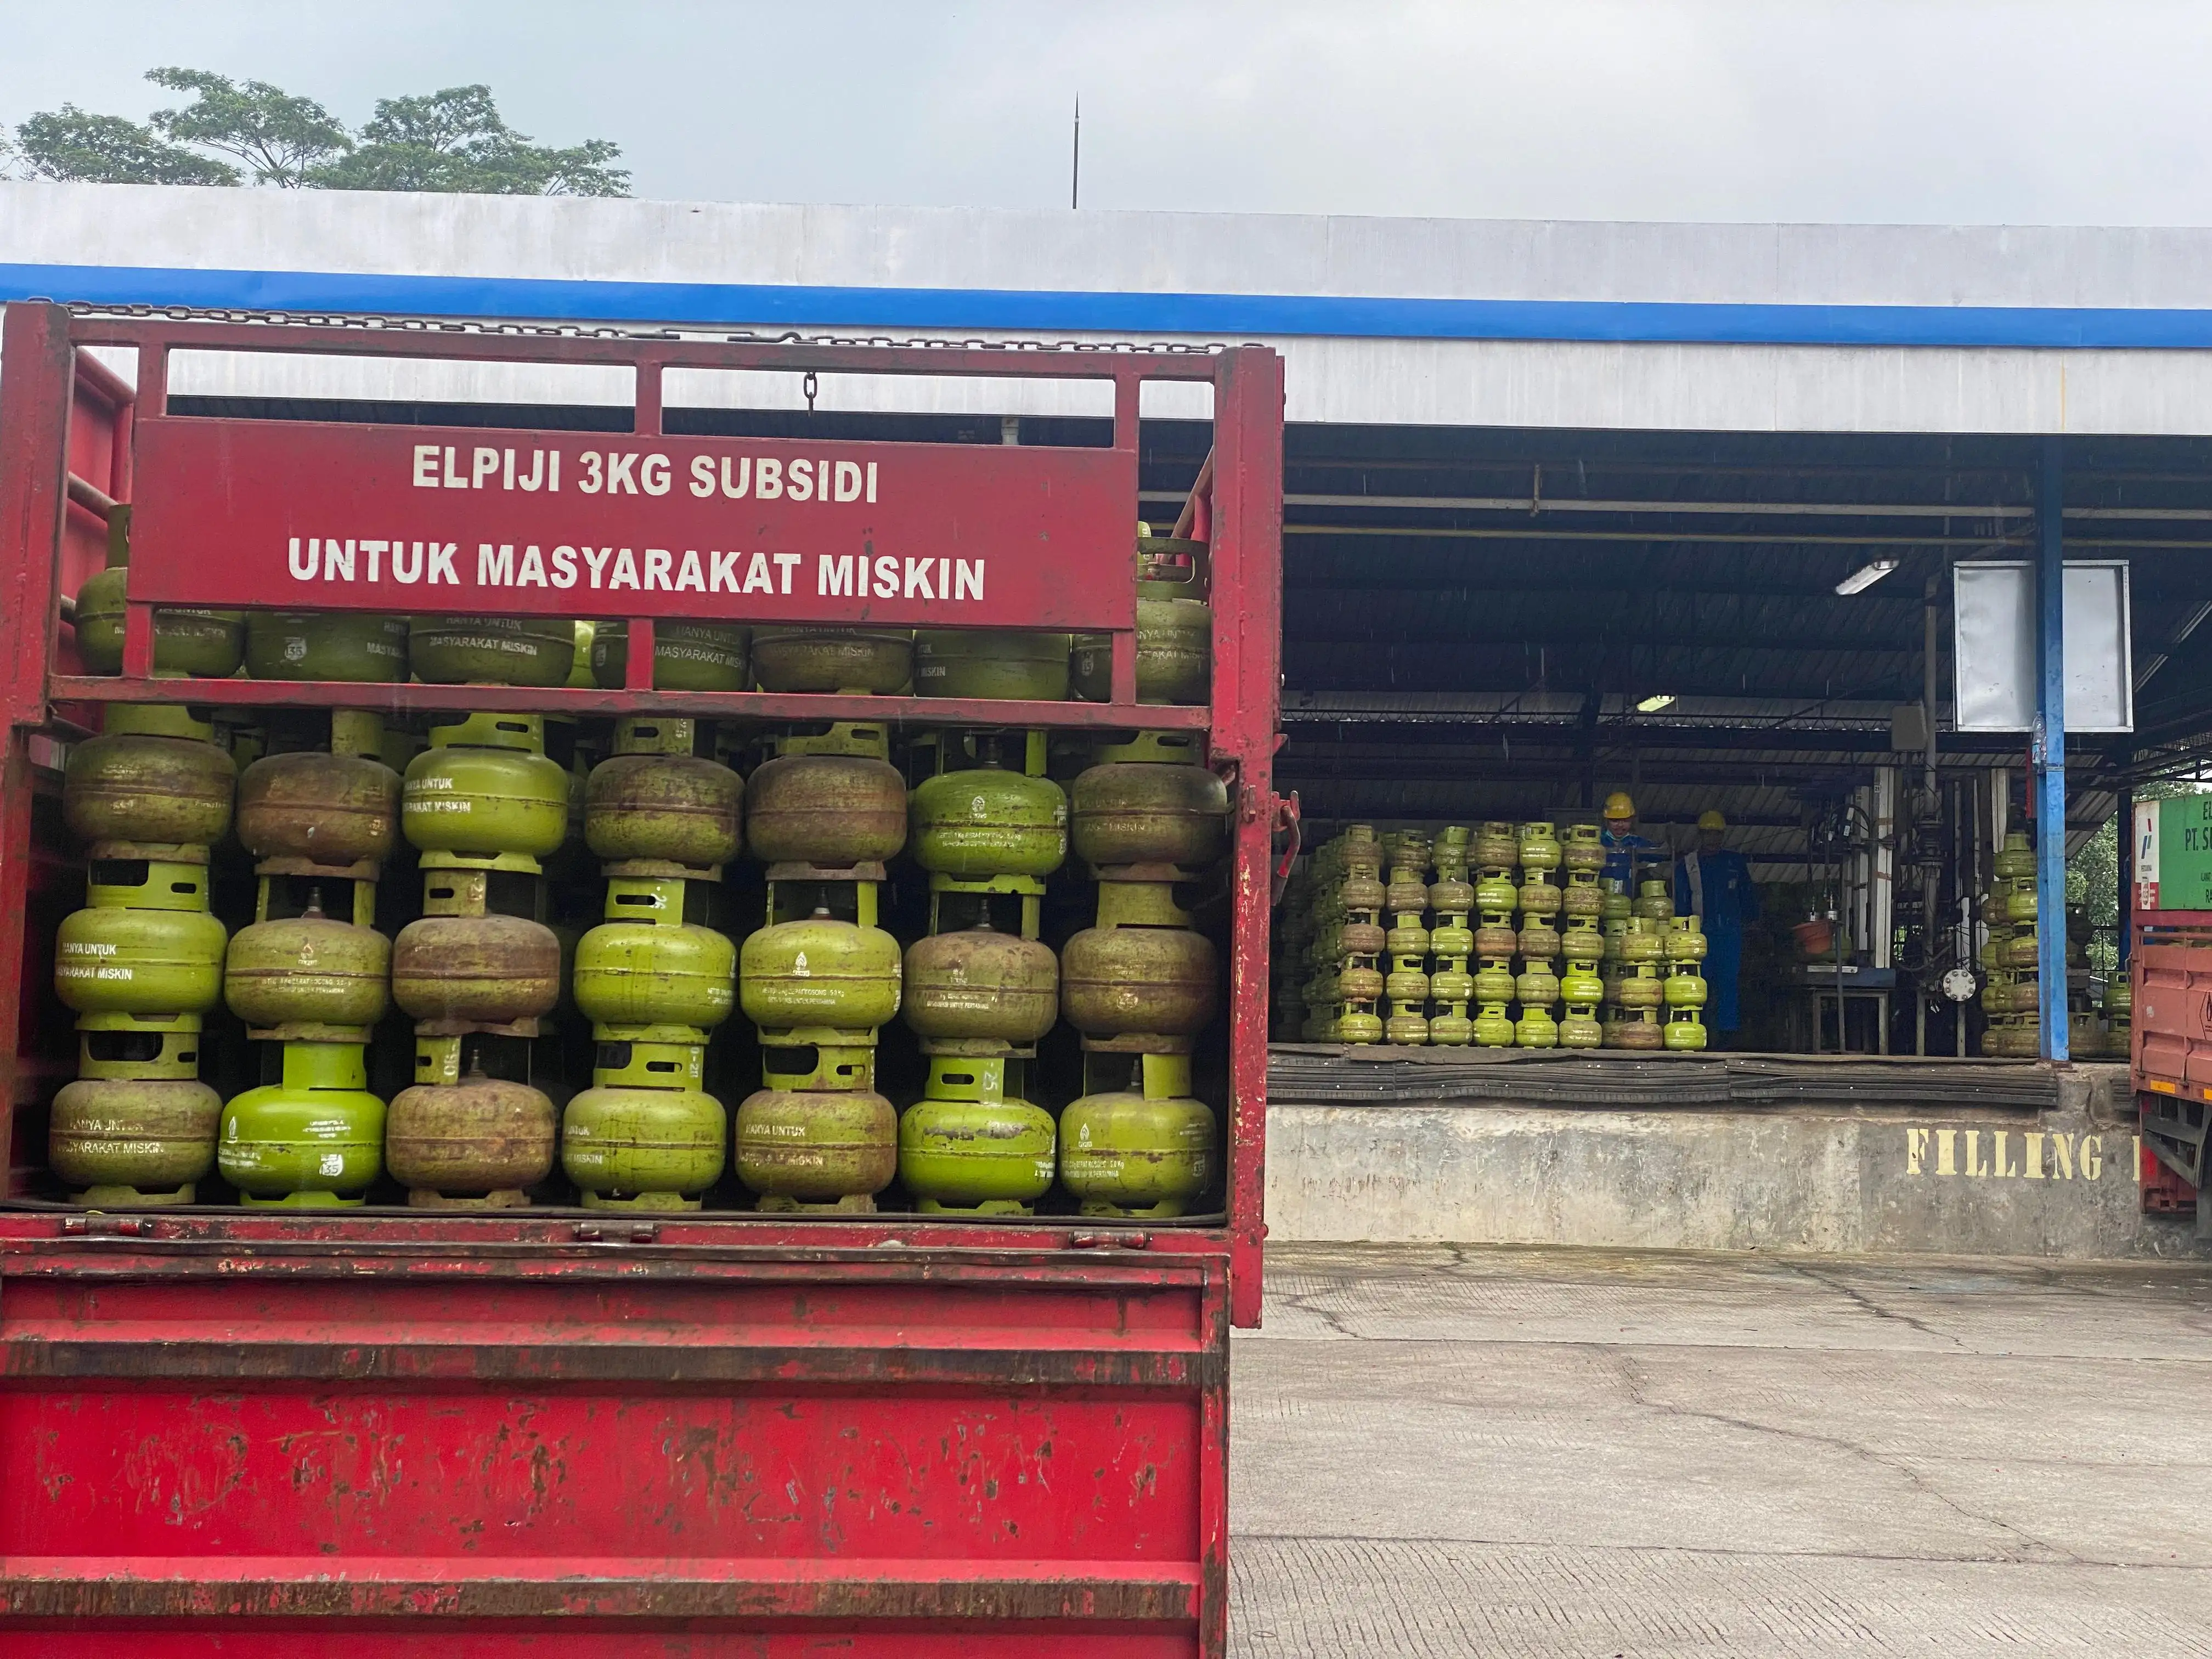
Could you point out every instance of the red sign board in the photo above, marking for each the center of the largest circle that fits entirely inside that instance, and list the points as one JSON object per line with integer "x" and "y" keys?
{"x": 310, "y": 516}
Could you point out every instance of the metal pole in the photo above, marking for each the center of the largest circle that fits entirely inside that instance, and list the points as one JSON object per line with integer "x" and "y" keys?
{"x": 2123, "y": 830}
{"x": 2049, "y": 747}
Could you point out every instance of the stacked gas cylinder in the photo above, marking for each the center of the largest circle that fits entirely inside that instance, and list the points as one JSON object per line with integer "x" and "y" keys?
{"x": 1684, "y": 945}
{"x": 1637, "y": 964}
{"x": 1345, "y": 981}
{"x": 310, "y": 977}
{"x": 2012, "y": 997}
{"x": 1406, "y": 939}
{"x": 142, "y": 965}
{"x": 981, "y": 990}
{"x": 821, "y": 979}
{"x": 663, "y": 818}
{"x": 1451, "y": 942}
{"x": 1142, "y": 983}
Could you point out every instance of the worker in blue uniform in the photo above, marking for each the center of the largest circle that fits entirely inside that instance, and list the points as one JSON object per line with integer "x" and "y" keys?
{"x": 1715, "y": 884}
{"x": 1628, "y": 856}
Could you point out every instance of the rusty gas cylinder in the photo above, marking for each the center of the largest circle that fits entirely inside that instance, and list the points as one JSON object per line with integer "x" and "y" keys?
{"x": 493, "y": 970}
{"x": 478, "y": 1142}
{"x": 830, "y": 811}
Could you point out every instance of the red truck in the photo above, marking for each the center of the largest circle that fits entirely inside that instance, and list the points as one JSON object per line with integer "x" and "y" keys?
{"x": 548, "y": 1431}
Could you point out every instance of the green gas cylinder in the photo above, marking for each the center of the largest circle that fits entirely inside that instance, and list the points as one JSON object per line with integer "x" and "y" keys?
{"x": 653, "y": 798}
{"x": 1580, "y": 1031}
{"x": 1685, "y": 939}
{"x": 1579, "y": 987}
{"x": 154, "y": 776}
{"x": 1684, "y": 988}
{"x": 1654, "y": 902}
{"x": 1495, "y": 895}
{"x": 1175, "y": 628}
{"x": 325, "y": 645}
{"x": 132, "y": 1141}
{"x": 143, "y": 944}
{"x": 208, "y": 644}
{"x": 2015, "y": 860}
{"x": 1685, "y": 1032}
{"x": 1493, "y": 981}
{"x": 646, "y": 966}
{"x": 979, "y": 983}
{"x": 446, "y": 650}
{"x": 830, "y": 811}
{"x": 819, "y": 972}
{"x": 991, "y": 662}
{"x": 307, "y": 970}
{"x": 687, "y": 656}
{"x": 480, "y": 1143}
{"x": 331, "y": 808}
{"x": 971, "y": 1144}
{"x": 1540, "y": 847}
{"x": 643, "y": 1149}
{"x": 878, "y": 661}
{"x": 484, "y": 787}
{"x": 313, "y": 1141}
{"x": 1147, "y": 1152}
{"x": 809, "y": 1149}
{"x": 988, "y": 821}
{"x": 1536, "y": 1028}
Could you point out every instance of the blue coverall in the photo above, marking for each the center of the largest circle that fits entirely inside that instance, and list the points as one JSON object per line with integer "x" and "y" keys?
{"x": 1718, "y": 887}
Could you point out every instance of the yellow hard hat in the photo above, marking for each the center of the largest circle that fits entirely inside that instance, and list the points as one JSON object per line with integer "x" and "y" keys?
{"x": 1617, "y": 804}
{"x": 1709, "y": 819}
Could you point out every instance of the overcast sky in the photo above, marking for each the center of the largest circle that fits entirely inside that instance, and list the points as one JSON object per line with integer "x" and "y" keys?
{"x": 2063, "y": 111}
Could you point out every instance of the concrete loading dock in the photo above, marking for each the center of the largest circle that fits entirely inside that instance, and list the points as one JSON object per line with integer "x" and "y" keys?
{"x": 1747, "y": 415}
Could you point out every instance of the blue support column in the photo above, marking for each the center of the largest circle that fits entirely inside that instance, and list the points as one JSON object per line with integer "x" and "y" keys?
{"x": 2048, "y": 749}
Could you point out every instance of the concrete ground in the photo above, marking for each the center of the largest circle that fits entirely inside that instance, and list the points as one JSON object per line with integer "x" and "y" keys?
{"x": 1552, "y": 1452}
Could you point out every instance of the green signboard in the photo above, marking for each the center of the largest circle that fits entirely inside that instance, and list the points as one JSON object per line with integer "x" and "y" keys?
{"x": 2173, "y": 854}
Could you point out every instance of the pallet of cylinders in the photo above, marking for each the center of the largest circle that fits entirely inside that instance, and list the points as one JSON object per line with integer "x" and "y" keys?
{"x": 141, "y": 963}
{"x": 982, "y": 988}
{"x": 1347, "y": 981}
{"x": 1451, "y": 942}
{"x": 1685, "y": 947}
{"x": 1406, "y": 940}
{"x": 821, "y": 978}
{"x": 318, "y": 812}
{"x": 483, "y": 806}
{"x": 663, "y": 817}
{"x": 1537, "y": 988}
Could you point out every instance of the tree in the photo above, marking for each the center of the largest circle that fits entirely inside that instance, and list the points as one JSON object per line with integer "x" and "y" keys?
{"x": 456, "y": 140}
{"x": 67, "y": 143}
{"x": 453, "y": 139}
{"x": 279, "y": 137}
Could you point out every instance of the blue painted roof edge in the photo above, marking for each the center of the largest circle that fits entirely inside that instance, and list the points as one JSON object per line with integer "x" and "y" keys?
{"x": 1137, "y": 315}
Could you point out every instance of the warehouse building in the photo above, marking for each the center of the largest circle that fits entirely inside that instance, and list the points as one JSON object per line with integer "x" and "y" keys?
{"x": 1573, "y": 512}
